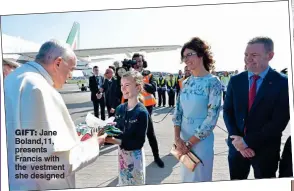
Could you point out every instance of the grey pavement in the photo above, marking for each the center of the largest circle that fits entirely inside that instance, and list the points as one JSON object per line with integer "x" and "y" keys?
{"x": 103, "y": 172}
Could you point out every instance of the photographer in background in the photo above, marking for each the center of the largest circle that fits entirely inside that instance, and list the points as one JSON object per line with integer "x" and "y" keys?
{"x": 149, "y": 102}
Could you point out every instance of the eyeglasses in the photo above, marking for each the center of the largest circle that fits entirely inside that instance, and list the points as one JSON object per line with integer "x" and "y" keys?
{"x": 184, "y": 58}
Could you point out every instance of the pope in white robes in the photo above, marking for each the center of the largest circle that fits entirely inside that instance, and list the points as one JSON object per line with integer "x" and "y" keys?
{"x": 33, "y": 103}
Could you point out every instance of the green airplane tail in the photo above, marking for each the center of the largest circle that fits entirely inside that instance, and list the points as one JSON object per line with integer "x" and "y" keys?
{"x": 73, "y": 38}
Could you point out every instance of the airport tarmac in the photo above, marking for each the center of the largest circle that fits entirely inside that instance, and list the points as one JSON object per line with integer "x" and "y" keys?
{"x": 104, "y": 171}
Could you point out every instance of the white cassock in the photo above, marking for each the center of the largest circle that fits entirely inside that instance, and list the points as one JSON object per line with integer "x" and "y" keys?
{"x": 31, "y": 102}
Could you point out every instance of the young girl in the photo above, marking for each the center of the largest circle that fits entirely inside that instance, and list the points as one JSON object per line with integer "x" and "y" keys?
{"x": 132, "y": 119}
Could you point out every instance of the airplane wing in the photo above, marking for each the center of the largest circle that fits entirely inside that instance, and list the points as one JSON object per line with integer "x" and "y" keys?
{"x": 18, "y": 57}
{"x": 85, "y": 54}
{"x": 124, "y": 50}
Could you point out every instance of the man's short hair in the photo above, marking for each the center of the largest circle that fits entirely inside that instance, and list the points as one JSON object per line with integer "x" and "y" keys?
{"x": 266, "y": 41}
{"x": 108, "y": 69}
{"x": 137, "y": 55}
{"x": 112, "y": 67}
{"x": 53, "y": 49}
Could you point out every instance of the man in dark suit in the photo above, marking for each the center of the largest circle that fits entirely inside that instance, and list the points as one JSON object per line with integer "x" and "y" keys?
{"x": 95, "y": 83}
{"x": 106, "y": 88}
{"x": 256, "y": 112}
{"x": 285, "y": 166}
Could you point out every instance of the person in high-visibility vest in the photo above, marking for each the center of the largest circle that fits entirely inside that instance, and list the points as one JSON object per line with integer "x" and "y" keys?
{"x": 187, "y": 74}
{"x": 161, "y": 89}
{"x": 178, "y": 77}
{"x": 171, "y": 89}
{"x": 225, "y": 81}
{"x": 149, "y": 102}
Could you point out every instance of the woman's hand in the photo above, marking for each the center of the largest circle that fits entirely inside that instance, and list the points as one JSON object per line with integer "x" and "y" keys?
{"x": 181, "y": 147}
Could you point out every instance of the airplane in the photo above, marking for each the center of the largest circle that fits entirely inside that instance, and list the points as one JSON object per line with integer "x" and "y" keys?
{"x": 88, "y": 56}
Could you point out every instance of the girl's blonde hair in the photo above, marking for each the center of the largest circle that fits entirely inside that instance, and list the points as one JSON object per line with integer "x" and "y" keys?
{"x": 138, "y": 78}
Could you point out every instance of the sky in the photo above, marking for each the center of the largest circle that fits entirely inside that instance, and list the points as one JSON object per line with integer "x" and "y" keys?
{"x": 227, "y": 28}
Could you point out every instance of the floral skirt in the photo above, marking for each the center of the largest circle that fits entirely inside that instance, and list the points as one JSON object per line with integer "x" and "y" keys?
{"x": 131, "y": 167}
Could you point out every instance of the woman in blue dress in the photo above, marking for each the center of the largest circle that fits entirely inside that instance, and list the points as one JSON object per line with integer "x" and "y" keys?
{"x": 197, "y": 110}
{"x": 132, "y": 119}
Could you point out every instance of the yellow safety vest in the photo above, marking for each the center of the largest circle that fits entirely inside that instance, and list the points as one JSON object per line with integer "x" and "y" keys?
{"x": 173, "y": 83}
{"x": 162, "y": 81}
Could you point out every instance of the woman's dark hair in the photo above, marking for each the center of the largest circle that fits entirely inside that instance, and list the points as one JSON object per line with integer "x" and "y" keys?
{"x": 202, "y": 49}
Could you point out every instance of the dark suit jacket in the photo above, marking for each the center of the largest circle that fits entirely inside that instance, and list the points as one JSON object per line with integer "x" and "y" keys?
{"x": 285, "y": 166}
{"x": 94, "y": 87}
{"x": 269, "y": 114}
{"x": 113, "y": 93}
{"x": 106, "y": 86}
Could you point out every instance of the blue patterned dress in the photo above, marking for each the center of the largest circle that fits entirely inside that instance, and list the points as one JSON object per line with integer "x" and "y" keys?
{"x": 197, "y": 111}
{"x": 131, "y": 167}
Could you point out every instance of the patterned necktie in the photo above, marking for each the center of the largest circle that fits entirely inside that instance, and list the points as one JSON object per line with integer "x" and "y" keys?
{"x": 252, "y": 91}
{"x": 252, "y": 94}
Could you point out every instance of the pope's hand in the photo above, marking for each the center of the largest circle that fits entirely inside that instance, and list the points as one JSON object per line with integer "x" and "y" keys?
{"x": 101, "y": 132}
{"x": 110, "y": 140}
{"x": 111, "y": 123}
